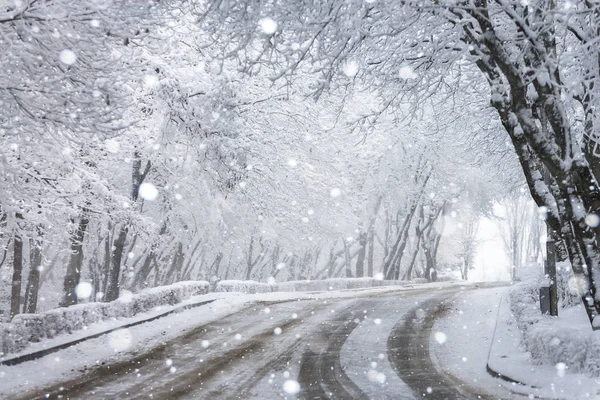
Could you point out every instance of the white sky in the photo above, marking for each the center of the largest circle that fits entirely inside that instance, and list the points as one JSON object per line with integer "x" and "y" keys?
{"x": 491, "y": 261}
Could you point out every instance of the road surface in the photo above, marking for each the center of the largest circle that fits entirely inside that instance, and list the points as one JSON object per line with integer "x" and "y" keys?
{"x": 372, "y": 346}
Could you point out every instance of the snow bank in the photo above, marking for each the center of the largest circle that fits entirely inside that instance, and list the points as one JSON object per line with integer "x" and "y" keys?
{"x": 303, "y": 286}
{"x": 31, "y": 328}
{"x": 567, "y": 339}
{"x": 245, "y": 287}
{"x": 335, "y": 284}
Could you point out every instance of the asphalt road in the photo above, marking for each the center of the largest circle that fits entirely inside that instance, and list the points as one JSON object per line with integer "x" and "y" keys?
{"x": 367, "y": 347}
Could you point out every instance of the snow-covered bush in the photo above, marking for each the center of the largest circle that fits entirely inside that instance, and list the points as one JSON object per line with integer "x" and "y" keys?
{"x": 31, "y": 328}
{"x": 551, "y": 340}
{"x": 567, "y": 293}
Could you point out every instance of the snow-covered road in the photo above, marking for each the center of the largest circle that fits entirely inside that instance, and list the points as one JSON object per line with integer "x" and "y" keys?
{"x": 371, "y": 345}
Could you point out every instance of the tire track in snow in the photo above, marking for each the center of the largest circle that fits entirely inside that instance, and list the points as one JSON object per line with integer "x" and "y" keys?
{"x": 321, "y": 374}
{"x": 408, "y": 353}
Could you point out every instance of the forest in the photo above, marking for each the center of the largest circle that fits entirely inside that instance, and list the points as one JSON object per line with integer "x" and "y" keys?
{"x": 144, "y": 143}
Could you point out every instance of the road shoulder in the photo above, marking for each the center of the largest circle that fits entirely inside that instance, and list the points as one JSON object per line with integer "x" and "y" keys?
{"x": 461, "y": 338}
{"x": 478, "y": 341}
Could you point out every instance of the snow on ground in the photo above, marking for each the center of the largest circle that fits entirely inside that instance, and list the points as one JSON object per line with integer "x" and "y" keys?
{"x": 546, "y": 381}
{"x": 567, "y": 339}
{"x": 74, "y": 361}
{"x": 461, "y": 340}
{"x": 480, "y": 329}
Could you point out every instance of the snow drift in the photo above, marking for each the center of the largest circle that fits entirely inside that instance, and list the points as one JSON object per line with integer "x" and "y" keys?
{"x": 31, "y": 328}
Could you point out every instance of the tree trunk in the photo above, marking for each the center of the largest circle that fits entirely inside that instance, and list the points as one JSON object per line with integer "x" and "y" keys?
{"x": 549, "y": 142}
{"x": 33, "y": 283}
{"x": 173, "y": 271}
{"x": 15, "y": 298}
{"x": 347, "y": 260}
{"x": 360, "y": 261}
{"x": 371, "y": 257}
{"x": 214, "y": 267}
{"x": 112, "y": 283}
{"x": 75, "y": 264}
{"x": 139, "y": 281}
{"x": 408, "y": 274}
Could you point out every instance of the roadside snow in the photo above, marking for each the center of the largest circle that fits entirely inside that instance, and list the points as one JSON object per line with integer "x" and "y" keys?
{"x": 27, "y": 329}
{"x": 473, "y": 339}
{"x": 461, "y": 346}
{"x": 566, "y": 339}
{"x": 554, "y": 381}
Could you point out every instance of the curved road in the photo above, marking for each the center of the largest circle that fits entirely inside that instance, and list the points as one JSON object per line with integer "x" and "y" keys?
{"x": 367, "y": 347}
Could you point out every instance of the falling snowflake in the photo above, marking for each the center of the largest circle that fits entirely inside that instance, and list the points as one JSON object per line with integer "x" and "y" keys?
{"x": 277, "y": 331}
{"x": 375, "y": 376}
{"x": 83, "y": 290}
{"x": 335, "y": 192}
{"x": 148, "y": 191}
{"x": 67, "y": 57}
{"x": 592, "y": 220}
{"x": 440, "y": 337}
{"x": 268, "y": 26}
{"x": 291, "y": 387}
